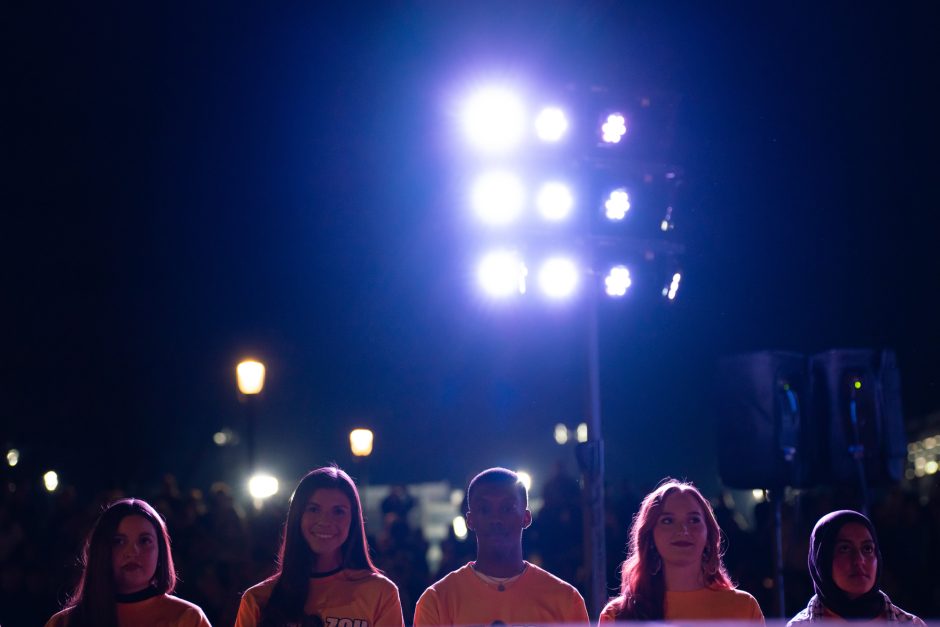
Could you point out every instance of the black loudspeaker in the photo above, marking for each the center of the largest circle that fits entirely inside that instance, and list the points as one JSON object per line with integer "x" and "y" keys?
{"x": 857, "y": 405}
{"x": 762, "y": 400}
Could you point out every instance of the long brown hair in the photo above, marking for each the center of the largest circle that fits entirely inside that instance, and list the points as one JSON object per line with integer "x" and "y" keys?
{"x": 295, "y": 558}
{"x": 93, "y": 603}
{"x": 642, "y": 583}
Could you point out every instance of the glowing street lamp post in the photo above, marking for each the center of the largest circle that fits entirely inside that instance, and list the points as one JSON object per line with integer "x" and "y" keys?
{"x": 495, "y": 122}
{"x": 250, "y": 377}
{"x": 360, "y": 443}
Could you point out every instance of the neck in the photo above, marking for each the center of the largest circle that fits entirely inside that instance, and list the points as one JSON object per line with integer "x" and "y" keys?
{"x": 325, "y": 563}
{"x": 683, "y": 578}
{"x": 499, "y": 563}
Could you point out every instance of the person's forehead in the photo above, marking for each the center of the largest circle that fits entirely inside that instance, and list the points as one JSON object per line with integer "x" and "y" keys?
{"x": 328, "y": 497}
{"x": 681, "y": 503}
{"x": 135, "y": 524}
{"x": 853, "y": 532}
{"x": 496, "y": 492}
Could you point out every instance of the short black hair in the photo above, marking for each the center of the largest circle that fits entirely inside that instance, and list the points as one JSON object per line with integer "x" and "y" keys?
{"x": 499, "y": 476}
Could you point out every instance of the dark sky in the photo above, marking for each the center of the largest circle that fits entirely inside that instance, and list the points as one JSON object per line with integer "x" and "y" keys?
{"x": 186, "y": 185}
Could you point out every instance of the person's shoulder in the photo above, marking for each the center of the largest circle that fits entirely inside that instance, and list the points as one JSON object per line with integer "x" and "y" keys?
{"x": 184, "y": 609}
{"x": 260, "y": 592}
{"x": 610, "y": 611}
{"x": 896, "y": 614}
{"x": 541, "y": 577}
{"x": 371, "y": 578}
{"x": 453, "y": 578}
{"x": 806, "y": 615}
{"x": 59, "y": 619}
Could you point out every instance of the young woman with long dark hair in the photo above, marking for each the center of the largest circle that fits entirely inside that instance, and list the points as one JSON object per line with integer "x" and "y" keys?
{"x": 127, "y": 574}
{"x": 674, "y": 569}
{"x": 324, "y": 575}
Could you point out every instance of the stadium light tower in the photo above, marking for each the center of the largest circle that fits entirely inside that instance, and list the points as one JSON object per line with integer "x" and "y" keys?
{"x": 559, "y": 193}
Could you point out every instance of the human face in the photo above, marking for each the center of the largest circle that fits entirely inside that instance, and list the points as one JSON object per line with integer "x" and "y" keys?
{"x": 498, "y": 515}
{"x": 680, "y": 534}
{"x": 134, "y": 554}
{"x": 325, "y": 525}
{"x": 855, "y": 560}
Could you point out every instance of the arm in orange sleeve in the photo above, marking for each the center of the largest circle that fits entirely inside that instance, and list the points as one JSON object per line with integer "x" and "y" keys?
{"x": 427, "y": 612}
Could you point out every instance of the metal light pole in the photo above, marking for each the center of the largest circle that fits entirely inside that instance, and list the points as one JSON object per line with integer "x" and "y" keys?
{"x": 360, "y": 443}
{"x": 250, "y": 376}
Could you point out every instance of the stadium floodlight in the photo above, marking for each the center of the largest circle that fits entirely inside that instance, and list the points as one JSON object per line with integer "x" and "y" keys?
{"x": 554, "y": 201}
{"x": 498, "y": 197}
{"x": 617, "y": 205}
{"x": 494, "y": 119}
{"x": 672, "y": 289}
{"x": 613, "y": 130}
{"x": 558, "y": 277}
{"x": 617, "y": 281}
{"x": 502, "y": 273}
{"x": 551, "y": 124}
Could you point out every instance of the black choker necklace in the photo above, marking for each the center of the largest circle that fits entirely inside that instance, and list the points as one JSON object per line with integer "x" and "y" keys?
{"x": 135, "y": 597}
{"x": 328, "y": 573}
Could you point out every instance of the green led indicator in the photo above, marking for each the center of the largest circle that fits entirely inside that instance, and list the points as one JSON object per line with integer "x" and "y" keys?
{"x": 858, "y": 384}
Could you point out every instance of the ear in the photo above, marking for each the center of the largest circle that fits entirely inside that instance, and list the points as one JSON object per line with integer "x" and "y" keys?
{"x": 526, "y": 519}
{"x": 469, "y": 518}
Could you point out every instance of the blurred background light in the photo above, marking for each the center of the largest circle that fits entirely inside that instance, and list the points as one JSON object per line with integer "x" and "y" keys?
{"x": 614, "y": 128}
{"x": 554, "y": 201}
{"x": 360, "y": 442}
{"x": 262, "y": 486}
{"x": 525, "y": 478}
{"x": 51, "y": 480}
{"x": 672, "y": 289}
{"x": 551, "y": 124}
{"x": 250, "y": 376}
{"x": 498, "y": 197}
{"x": 617, "y": 204}
{"x": 502, "y": 273}
{"x": 460, "y": 527}
{"x": 494, "y": 119}
{"x": 582, "y": 432}
{"x": 558, "y": 277}
{"x": 13, "y": 457}
{"x": 561, "y": 434}
{"x": 617, "y": 281}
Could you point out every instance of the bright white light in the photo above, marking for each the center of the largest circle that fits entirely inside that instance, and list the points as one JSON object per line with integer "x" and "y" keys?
{"x": 617, "y": 281}
{"x": 551, "y": 124}
{"x": 262, "y": 486}
{"x": 561, "y": 434}
{"x": 502, "y": 274}
{"x": 220, "y": 438}
{"x": 498, "y": 197}
{"x": 758, "y": 495}
{"x": 670, "y": 291}
{"x": 456, "y": 497}
{"x": 558, "y": 277}
{"x": 51, "y": 480}
{"x": 614, "y": 128}
{"x": 554, "y": 201}
{"x": 494, "y": 120}
{"x": 460, "y": 527}
{"x": 360, "y": 442}
{"x": 931, "y": 468}
{"x": 13, "y": 457}
{"x": 582, "y": 433}
{"x": 525, "y": 478}
{"x": 250, "y": 376}
{"x": 664, "y": 225}
{"x": 617, "y": 204}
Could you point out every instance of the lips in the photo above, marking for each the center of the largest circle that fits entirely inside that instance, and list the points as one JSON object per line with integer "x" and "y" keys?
{"x": 684, "y": 544}
{"x": 131, "y": 566}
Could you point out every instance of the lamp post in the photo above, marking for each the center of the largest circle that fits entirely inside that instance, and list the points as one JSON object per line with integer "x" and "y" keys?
{"x": 250, "y": 377}
{"x": 360, "y": 443}
{"x": 583, "y": 151}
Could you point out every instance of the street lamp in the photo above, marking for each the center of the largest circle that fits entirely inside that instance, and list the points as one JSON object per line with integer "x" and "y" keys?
{"x": 360, "y": 442}
{"x": 250, "y": 377}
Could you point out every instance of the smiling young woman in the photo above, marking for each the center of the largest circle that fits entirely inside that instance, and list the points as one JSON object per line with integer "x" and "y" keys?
{"x": 845, "y": 565}
{"x": 128, "y": 574}
{"x": 324, "y": 575}
{"x": 673, "y": 569}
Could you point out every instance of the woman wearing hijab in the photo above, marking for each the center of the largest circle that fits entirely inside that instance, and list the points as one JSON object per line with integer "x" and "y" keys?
{"x": 845, "y": 564}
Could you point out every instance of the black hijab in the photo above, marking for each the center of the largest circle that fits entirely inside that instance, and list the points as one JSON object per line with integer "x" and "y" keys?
{"x": 821, "y": 553}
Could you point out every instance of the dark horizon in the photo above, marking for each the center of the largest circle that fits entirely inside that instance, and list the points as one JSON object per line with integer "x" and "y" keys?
{"x": 188, "y": 187}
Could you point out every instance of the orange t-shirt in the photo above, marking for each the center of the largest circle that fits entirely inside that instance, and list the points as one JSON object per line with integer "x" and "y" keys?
{"x": 703, "y": 604}
{"x": 162, "y": 610}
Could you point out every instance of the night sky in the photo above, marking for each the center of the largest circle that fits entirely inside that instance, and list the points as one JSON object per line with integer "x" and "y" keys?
{"x": 186, "y": 185}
